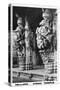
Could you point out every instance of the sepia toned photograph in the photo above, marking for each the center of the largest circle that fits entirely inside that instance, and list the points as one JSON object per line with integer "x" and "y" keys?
{"x": 32, "y": 45}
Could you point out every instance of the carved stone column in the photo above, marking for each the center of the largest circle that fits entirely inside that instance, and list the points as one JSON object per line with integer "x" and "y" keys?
{"x": 27, "y": 46}
{"x": 46, "y": 38}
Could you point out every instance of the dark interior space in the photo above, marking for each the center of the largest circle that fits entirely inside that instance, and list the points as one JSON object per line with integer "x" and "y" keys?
{"x": 34, "y": 16}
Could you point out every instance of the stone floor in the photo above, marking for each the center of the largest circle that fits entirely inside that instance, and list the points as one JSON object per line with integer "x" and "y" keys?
{"x": 32, "y": 75}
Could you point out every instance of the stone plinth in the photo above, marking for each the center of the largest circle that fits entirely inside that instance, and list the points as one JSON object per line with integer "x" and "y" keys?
{"x": 49, "y": 60}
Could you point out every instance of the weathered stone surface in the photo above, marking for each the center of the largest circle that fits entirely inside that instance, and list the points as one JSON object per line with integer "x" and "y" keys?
{"x": 47, "y": 40}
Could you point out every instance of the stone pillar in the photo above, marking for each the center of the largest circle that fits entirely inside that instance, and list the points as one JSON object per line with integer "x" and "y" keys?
{"x": 46, "y": 38}
{"x": 18, "y": 44}
{"x": 28, "y": 48}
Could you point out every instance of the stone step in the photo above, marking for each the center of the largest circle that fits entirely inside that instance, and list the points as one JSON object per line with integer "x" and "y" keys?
{"x": 33, "y": 77}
